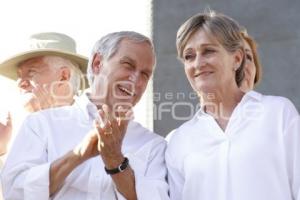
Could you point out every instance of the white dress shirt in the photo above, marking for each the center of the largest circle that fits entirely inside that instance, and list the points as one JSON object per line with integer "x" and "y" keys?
{"x": 49, "y": 134}
{"x": 1, "y": 165}
{"x": 257, "y": 157}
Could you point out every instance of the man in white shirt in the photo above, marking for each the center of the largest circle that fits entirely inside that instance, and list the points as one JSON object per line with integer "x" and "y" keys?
{"x": 5, "y": 135}
{"x": 44, "y": 74}
{"x": 89, "y": 150}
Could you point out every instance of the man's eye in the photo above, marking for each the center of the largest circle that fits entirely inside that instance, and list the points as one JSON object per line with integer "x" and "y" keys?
{"x": 127, "y": 64}
{"x": 31, "y": 74}
{"x": 146, "y": 75}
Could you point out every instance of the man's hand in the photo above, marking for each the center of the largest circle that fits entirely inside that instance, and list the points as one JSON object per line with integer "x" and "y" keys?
{"x": 5, "y": 134}
{"x": 40, "y": 99}
{"x": 63, "y": 166}
{"x": 111, "y": 130}
{"x": 88, "y": 147}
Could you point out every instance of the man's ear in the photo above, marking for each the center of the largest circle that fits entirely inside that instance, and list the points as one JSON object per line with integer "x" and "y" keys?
{"x": 96, "y": 64}
{"x": 65, "y": 74}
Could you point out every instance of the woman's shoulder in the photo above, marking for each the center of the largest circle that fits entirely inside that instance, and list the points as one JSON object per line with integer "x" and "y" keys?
{"x": 182, "y": 130}
{"x": 277, "y": 103}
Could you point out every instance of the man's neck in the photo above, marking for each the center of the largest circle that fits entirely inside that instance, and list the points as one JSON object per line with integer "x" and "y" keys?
{"x": 96, "y": 101}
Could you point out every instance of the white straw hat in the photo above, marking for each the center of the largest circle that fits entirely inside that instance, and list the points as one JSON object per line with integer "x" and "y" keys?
{"x": 42, "y": 44}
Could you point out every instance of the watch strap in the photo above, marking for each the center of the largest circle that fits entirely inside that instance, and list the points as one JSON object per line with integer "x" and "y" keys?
{"x": 119, "y": 169}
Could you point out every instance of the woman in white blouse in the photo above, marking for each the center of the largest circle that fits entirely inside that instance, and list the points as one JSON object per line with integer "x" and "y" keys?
{"x": 238, "y": 146}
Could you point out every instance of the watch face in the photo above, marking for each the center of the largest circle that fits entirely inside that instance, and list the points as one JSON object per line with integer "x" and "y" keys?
{"x": 124, "y": 165}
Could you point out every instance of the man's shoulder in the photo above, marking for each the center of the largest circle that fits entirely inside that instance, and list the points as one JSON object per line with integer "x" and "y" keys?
{"x": 136, "y": 131}
{"x": 55, "y": 113}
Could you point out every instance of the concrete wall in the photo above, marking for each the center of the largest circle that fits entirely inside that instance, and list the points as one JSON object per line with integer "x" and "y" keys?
{"x": 275, "y": 24}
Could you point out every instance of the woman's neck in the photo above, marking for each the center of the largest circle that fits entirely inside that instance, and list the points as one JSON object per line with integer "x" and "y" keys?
{"x": 220, "y": 104}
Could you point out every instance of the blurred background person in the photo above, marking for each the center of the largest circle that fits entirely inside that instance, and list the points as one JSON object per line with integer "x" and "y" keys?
{"x": 253, "y": 68}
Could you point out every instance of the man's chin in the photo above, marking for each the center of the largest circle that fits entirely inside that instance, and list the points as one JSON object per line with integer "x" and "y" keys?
{"x": 28, "y": 102}
{"x": 123, "y": 104}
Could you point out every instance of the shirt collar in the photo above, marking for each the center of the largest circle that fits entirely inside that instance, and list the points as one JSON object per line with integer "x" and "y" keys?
{"x": 89, "y": 109}
{"x": 253, "y": 95}
{"x": 201, "y": 111}
{"x": 249, "y": 95}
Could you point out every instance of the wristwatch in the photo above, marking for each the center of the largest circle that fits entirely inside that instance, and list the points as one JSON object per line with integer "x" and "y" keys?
{"x": 120, "y": 168}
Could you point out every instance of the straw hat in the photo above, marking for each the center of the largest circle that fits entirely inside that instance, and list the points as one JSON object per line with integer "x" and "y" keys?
{"x": 45, "y": 44}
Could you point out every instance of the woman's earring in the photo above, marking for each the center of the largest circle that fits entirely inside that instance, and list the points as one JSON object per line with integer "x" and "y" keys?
{"x": 236, "y": 67}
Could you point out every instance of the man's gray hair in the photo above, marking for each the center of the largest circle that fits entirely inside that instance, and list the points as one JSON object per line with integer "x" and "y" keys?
{"x": 108, "y": 45}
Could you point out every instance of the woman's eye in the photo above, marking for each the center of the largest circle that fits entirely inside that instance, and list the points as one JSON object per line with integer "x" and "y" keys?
{"x": 188, "y": 57}
{"x": 209, "y": 51}
{"x": 249, "y": 57}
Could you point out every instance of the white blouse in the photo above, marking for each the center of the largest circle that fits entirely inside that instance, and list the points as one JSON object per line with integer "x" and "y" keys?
{"x": 47, "y": 135}
{"x": 256, "y": 158}
{"x": 1, "y": 165}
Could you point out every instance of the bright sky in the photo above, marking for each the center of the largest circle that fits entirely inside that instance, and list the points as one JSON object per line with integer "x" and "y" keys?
{"x": 84, "y": 20}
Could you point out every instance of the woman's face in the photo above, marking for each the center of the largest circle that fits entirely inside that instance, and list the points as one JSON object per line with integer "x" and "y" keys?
{"x": 209, "y": 67}
{"x": 250, "y": 69}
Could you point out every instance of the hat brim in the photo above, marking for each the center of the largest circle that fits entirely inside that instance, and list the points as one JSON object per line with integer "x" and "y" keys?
{"x": 9, "y": 67}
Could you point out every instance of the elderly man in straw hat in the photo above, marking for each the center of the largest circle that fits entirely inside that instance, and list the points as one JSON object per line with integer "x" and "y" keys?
{"x": 96, "y": 153}
{"x": 48, "y": 75}
{"x": 51, "y": 66}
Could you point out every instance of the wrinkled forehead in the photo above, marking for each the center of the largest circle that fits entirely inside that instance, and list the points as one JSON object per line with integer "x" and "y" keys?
{"x": 31, "y": 63}
{"x": 137, "y": 51}
{"x": 201, "y": 37}
{"x": 126, "y": 42}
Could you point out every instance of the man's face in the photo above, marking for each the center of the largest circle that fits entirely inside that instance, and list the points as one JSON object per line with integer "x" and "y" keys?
{"x": 122, "y": 79}
{"x": 34, "y": 73}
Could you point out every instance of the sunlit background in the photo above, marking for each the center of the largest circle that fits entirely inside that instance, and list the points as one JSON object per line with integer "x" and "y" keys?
{"x": 85, "y": 21}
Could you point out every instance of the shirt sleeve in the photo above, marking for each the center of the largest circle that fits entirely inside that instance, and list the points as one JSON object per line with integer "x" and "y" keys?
{"x": 291, "y": 130}
{"x": 175, "y": 178}
{"x": 150, "y": 183}
{"x": 292, "y": 149}
{"x": 26, "y": 172}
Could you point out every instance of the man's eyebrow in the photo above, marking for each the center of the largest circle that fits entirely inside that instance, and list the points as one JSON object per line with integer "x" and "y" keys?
{"x": 128, "y": 59}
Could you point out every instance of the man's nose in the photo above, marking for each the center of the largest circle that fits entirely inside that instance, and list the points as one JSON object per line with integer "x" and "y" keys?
{"x": 24, "y": 84}
{"x": 134, "y": 76}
